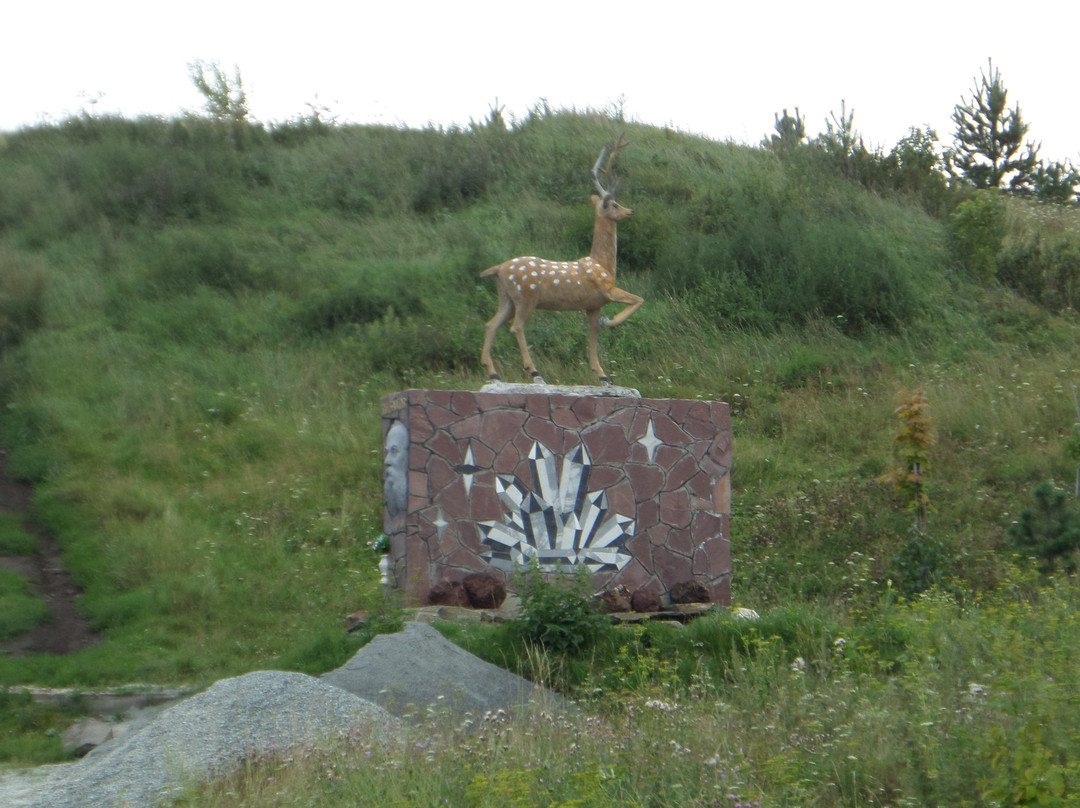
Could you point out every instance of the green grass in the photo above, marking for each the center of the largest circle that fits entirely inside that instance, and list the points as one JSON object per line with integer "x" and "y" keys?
{"x": 20, "y": 609}
{"x": 195, "y": 339}
{"x": 14, "y": 541}
{"x": 30, "y": 733}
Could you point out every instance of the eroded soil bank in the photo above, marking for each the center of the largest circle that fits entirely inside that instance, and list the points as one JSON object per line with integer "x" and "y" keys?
{"x": 68, "y": 630}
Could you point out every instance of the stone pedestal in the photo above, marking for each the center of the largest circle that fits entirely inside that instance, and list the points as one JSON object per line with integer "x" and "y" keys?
{"x": 636, "y": 490}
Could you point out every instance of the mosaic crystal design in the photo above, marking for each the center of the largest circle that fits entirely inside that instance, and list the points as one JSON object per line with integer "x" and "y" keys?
{"x": 554, "y": 519}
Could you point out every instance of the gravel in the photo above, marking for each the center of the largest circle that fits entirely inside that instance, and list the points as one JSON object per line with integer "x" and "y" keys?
{"x": 197, "y": 739}
{"x": 208, "y": 733}
{"x": 417, "y": 669}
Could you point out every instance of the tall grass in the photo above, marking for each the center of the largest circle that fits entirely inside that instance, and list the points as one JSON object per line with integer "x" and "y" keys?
{"x": 791, "y": 710}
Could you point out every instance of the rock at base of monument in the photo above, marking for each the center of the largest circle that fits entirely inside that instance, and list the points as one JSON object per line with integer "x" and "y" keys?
{"x": 484, "y": 591}
{"x": 645, "y": 600}
{"x": 561, "y": 389}
{"x": 676, "y": 614}
{"x": 689, "y": 592}
{"x": 448, "y": 593}
{"x": 616, "y": 599}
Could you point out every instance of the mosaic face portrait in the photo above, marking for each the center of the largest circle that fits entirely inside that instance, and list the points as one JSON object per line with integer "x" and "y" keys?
{"x": 396, "y": 468}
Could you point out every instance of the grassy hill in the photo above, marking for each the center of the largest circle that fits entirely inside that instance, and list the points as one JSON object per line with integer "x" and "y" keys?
{"x": 197, "y": 323}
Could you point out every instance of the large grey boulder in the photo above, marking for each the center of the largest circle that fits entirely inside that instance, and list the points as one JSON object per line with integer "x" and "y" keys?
{"x": 418, "y": 668}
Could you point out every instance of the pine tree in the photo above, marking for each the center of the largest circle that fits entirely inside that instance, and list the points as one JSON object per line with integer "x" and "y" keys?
{"x": 1056, "y": 182}
{"x": 790, "y": 132}
{"x": 989, "y": 146}
{"x": 225, "y": 98}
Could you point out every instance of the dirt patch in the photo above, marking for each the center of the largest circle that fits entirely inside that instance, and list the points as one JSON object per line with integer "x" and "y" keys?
{"x": 68, "y": 630}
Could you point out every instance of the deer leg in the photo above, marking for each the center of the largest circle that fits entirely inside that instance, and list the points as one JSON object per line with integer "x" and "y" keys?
{"x": 594, "y": 318}
{"x": 621, "y": 296}
{"x": 523, "y": 311}
{"x": 502, "y": 315}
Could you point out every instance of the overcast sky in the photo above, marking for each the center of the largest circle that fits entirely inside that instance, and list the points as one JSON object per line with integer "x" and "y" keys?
{"x": 714, "y": 68}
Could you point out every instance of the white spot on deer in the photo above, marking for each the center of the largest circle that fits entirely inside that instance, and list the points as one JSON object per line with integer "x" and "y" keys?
{"x": 556, "y": 281}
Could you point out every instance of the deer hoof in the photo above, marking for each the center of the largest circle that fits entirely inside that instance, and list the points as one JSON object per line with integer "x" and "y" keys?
{"x": 606, "y": 381}
{"x": 537, "y": 378}
{"x": 494, "y": 377}
{"x": 605, "y": 322}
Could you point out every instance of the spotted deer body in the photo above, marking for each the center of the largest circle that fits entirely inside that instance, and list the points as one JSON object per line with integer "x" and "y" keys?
{"x": 528, "y": 283}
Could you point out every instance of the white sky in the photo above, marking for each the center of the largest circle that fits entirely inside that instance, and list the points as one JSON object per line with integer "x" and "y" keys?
{"x": 714, "y": 68}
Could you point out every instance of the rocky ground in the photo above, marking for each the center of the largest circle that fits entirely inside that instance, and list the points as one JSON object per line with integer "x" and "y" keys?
{"x": 392, "y": 680}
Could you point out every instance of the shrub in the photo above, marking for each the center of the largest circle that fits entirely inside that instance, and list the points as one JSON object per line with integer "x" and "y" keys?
{"x": 1050, "y": 530}
{"x": 559, "y": 614}
{"x": 188, "y": 258}
{"x": 22, "y": 296}
{"x": 977, "y": 229}
{"x": 919, "y": 564}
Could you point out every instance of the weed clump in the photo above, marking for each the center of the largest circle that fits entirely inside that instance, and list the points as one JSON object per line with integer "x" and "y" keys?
{"x": 559, "y": 614}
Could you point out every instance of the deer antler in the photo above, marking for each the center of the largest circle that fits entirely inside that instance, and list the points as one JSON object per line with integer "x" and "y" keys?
{"x": 622, "y": 144}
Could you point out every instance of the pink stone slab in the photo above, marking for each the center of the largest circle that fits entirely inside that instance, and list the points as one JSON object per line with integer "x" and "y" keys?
{"x": 646, "y": 479}
{"x": 420, "y": 428}
{"x": 500, "y": 427}
{"x": 606, "y": 443}
{"x": 548, "y": 433}
{"x": 675, "y": 509}
{"x": 565, "y": 417}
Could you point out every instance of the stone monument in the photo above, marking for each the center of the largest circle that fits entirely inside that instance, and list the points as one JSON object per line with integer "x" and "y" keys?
{"x": 635, "y": 490}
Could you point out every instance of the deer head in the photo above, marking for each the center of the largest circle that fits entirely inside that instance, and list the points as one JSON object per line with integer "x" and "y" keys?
{"x": 605, "y": 204}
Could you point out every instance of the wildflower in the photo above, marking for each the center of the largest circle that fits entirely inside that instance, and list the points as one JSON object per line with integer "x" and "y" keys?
{"x": 799, "y": 665}
{"x": 839, "y": 644}
{"x": 662, "y": 706}
{"x": 976, "y": 690}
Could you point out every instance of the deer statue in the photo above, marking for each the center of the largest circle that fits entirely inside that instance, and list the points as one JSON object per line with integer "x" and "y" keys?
{"x": 528, "y": 283}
